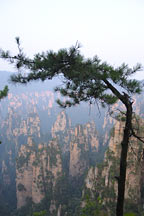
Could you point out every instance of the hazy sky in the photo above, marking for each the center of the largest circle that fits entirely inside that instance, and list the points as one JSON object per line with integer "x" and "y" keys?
{"x": 111, "y": 29}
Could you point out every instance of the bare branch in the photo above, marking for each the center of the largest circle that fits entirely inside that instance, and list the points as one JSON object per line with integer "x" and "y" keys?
{"x": 136, "y": 136}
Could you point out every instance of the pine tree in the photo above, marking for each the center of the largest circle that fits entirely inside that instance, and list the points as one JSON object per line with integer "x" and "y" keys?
{"x": 87, "y": 80}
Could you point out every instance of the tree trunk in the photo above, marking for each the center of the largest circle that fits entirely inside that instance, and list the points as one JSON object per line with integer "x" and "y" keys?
{"x": 125, "y": 99}
{"x": 123, "y": 159}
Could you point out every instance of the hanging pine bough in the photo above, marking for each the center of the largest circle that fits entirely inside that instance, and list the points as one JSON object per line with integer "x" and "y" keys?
{"x": 87, "y": 80}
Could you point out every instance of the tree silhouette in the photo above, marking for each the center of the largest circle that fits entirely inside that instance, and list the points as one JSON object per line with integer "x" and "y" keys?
{"x": 87, "y": 80}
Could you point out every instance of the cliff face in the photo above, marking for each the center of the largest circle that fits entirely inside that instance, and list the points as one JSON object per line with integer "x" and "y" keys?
{"x": 84, "y": 142}
{"x": 79, "y": 142}
{"x": 102, "y": 178}
{"x": 66, "y": 155}
{"x": 38, "y": 168}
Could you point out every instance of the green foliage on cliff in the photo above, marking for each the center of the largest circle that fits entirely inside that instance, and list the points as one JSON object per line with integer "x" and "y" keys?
{"x": 93, "y": 206}
{"x": 25, "y": 210}
{"x": 21, "y": 187}
{"x": 4, "y": 92}
{"x": 52, "y": 152}
{"x": 41, "y": 213}
{"x": 112, "y": 132}
{"x": 22, "y": 159}
{"x": 129, "y": 214}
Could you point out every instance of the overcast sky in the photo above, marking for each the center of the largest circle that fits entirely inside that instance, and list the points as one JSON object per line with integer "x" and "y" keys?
{"x": 111, "y": 29}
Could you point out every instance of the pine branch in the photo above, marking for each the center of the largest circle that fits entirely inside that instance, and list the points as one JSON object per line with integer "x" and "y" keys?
{"x": 136, "y": 136}
{"x": 114, "y": 90}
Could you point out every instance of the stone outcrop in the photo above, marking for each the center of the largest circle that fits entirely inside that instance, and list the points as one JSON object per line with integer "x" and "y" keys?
{"x": 61, "y": 124}
{"x": 102, "y": 178}
{"x": 37, "y": 171}
{"x": 84, "y": 140}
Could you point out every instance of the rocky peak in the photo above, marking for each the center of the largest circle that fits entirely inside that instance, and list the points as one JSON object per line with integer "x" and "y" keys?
{"x": 61, "y": 124}
{"x": 38, "y": 168}
{"x": 84, "y": 142}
